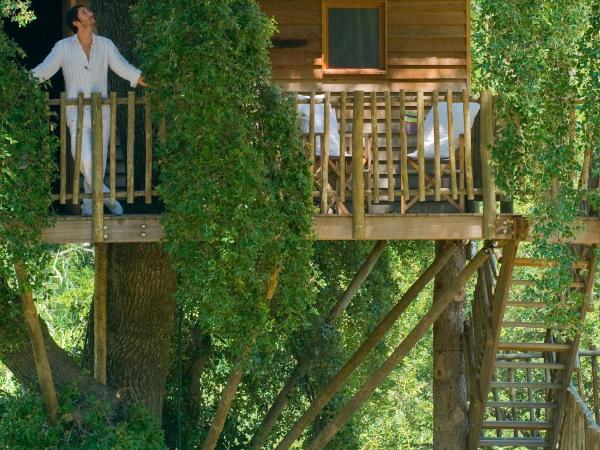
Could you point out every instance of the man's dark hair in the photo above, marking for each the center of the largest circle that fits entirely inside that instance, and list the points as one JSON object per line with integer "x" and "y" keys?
{"x": 71, "y": 16}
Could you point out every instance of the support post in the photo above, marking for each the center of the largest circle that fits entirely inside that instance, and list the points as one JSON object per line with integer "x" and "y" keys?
{"x": 365, "y": 391}
{"x": 36, "y": 338}
{"x": 595, "y": 385}
{"x": 376, "y": 336}
{"x": 97, "y": 170}
{"x": 306, "y": 359}
{"x": 487, "y": 176}
{"x": 358, "y": 182}
{"x": 100, "y": 336}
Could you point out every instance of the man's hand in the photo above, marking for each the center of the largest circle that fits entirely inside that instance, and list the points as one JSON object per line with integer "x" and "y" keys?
{"x": 141, "y": 82}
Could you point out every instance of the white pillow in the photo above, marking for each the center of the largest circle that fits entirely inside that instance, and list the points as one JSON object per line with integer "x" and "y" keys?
{"x": 459, "y": 128}
{"x": 334, "y": 128}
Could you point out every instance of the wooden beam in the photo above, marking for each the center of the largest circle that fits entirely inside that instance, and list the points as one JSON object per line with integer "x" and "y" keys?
{"x": 147, "y": 228}
{"x": 367, "y": 388}
{"x": 97, "y": 170}
{"x": 358, "y": 183}
{"x": 487, "y": 176}
{"x": 306, "y": 359}
{"x": 40, "y": 355}
{"x": 100, "y": 337}
{"x": 358, "y": 357}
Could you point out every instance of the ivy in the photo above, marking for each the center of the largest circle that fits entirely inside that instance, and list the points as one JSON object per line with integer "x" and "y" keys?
{"x": 541, "y": 59}
{"x": 27, "y": 167}
{"x": 235, "y": 184}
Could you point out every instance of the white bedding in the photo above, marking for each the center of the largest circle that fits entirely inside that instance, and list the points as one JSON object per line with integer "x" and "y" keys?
{"x": 459, "y": 128}
{"x": 334, "y": 129}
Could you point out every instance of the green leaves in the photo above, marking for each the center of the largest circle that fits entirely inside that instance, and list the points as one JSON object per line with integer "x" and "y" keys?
{"x": 235, "y": 184}
{"x": 26, "y": 164}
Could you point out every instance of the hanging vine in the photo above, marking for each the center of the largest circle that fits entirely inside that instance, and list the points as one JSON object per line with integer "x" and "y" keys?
{"x": 541, "y": 59}
{"x": 27, "y": 166}
{"x": 236, "y": 187}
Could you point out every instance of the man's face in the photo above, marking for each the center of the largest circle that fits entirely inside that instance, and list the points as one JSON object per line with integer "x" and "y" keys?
{"x": 85, "y": 18}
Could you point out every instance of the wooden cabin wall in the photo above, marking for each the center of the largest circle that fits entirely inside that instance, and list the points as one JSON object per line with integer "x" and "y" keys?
{"x": 428, "y": 47}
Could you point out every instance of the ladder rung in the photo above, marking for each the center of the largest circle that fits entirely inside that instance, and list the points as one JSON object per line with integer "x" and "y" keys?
{"x": 532, "y": 325}
{"x": 523, "y": 283}
{"x": 536, "y": 262}
{"x": 575, "y": 284}
{"x": 519, "y": 385}
{"x": 527, "y": 304}
{"x": 526, "y": 405}
{"x": 529, "y": 365}
{"x": 533, "y": 346}
{"x": 512, "y": 424}
{"x": 516, "y": 442}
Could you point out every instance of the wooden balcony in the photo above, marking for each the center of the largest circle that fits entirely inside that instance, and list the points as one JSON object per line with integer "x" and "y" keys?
{"x": 408, "y": 171}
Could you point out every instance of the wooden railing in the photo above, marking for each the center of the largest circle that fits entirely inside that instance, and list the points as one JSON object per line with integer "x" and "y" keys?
{"x": 409, "y": 151}
{"x": 406, "y": 155}
{"x": 579, "y": 430}
{"x": 588, "y": 379}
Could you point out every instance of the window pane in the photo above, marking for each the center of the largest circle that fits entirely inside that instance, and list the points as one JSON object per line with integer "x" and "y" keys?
{"x": 354, "y": 38}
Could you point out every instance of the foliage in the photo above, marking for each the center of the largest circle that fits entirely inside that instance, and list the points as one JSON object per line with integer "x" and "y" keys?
{"x": 26, "y": 163}
{"x": 23, "y": 426}
{"x": 541, "y": 58}
{"x": 233, "y": 179}
{"x": 17, "y": 10}
{"x": 399, "y": 413}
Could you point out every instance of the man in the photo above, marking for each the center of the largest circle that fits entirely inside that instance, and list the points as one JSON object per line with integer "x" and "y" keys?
{"x": 84, "y": 59}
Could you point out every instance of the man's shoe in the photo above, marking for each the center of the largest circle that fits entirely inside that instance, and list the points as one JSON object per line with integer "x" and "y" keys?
{"x": 86, "y": 207}
{"x": 114, "y": 207}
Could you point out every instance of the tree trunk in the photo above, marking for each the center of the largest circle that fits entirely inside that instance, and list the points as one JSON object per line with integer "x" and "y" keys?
{"x": 449, "y": 384}
{"x": 141, "y": 318}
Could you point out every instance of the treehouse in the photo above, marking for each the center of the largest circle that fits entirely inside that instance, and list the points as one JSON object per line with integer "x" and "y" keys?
{"x": 400, "y": 150}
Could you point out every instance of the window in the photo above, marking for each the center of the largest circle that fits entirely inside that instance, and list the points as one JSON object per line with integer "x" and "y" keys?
{"x": 354, "y": 36}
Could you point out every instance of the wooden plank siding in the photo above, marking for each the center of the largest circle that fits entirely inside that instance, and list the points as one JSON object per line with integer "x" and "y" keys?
{"x": 428, "y": 47}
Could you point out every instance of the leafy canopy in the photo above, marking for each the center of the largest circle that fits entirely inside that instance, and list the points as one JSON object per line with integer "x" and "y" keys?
{"x": 26, "y": 156}
{"x": 233, "y": 177}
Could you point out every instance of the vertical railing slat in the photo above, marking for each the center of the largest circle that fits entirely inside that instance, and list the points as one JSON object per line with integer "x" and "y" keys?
{"x": 468, "y": 150}
{"x": 487, "y": 176}
{"x": 325, "y": 153}
{"x": 311, "y": 133}
{"x": 113, "y": 147}
{"x": 595, "y": 385}
{"x": 342, "y": 163}
{"x": 587, "y": 158}
{"x": 375, "y": 146}
{"x": 149, "y": 145}
{"x": 451, "y": 144}
{"x": 63, "y": 148}
{"x": 421, "y": 144}
{"x": 78, "y": 145}
{"x": 358, "y": 185}
{"x": 404, "y": 148}
{"x": 130, "y": 144}
{"x": 436, "y": 146}
{"x": 97, "y": 170}
{"x": 388, "y": 146}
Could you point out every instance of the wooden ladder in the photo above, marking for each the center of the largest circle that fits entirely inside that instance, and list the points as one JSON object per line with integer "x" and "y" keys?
{"x": 519, "y": 368}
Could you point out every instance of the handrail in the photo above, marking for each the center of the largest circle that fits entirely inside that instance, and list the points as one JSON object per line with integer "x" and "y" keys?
{"x": 579, "y": 430}
{"x": 382, "y": 178}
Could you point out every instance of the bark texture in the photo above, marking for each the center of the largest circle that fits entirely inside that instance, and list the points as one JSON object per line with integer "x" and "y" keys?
{"x": 449, "y": 383}
{"x": 141, "y": 317}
